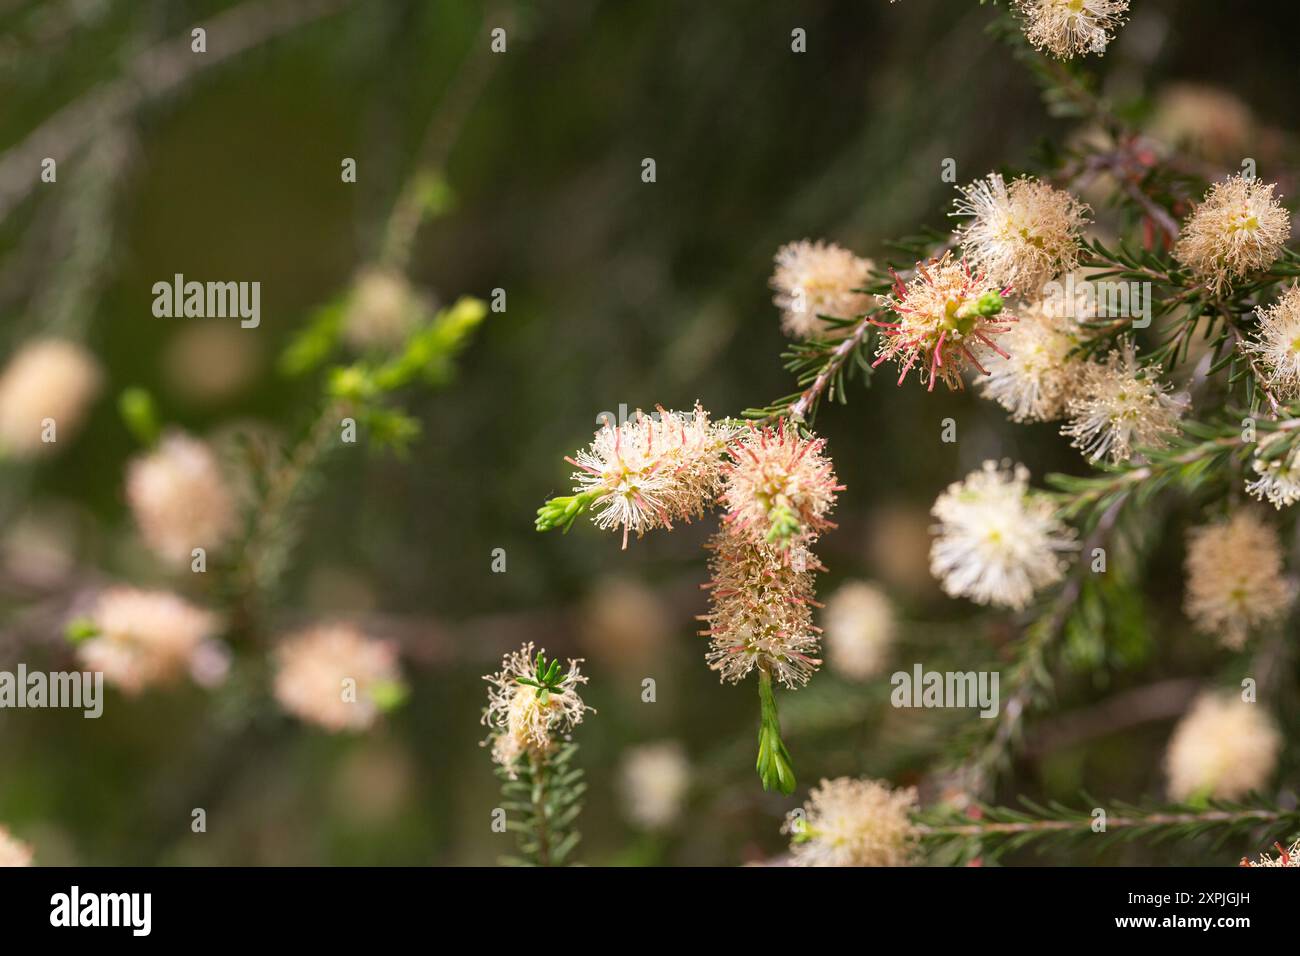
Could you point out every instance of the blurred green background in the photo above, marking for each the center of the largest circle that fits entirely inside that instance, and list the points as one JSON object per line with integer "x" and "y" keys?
{"x": 619, "y": 293}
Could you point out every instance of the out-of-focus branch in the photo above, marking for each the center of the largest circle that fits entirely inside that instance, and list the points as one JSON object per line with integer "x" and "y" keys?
{"x": 1163, "y": 700}
{"x": 439, "y": 140}
{"x": 156, "y": 72}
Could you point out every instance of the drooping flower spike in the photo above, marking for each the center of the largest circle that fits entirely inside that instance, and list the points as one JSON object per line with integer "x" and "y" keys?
{"x": 761, "y": 613}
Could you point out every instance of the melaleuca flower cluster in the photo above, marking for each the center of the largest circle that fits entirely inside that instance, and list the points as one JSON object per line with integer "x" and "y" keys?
{"x": 1118, "y": 406}
{"x": 141, "y": 639}
{"x": 382, "y": 309}
{"x": 1286, "y": 856}
{"x": 1235, "y": 578}
{"x": 1020, "y": 234}
{"x": 998, "y": 542}
{"x": 1070, "y": 28}
{"x": 776, "y": 489}
{"x": 1223, "y": 748}
{"x": 532, "y": 703}
{"x": 337, "y": 677}
{"x": 761, "y": 612}
{"x": 860, "y": 630}
{"x": 654, "y": 781}
{"x": 847, "y": 822}
{"x": 646, "y": 473}
{"x": 48, "y": 382}
{"x": 1239, "y": 229}
{"x": 1278, "y": 480}
{"x": 1036, "y": 376}
{"x": 13, "y": 852}
{"x": 181, "y": 499}
{"x": 814, "y": 280}
{"x": 947, "y": 317}
{"x": 1276, "y": 344}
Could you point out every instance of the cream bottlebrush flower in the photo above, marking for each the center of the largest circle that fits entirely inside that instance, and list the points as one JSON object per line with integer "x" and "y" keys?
{"x": 336, "y": 677}
{"x": 1070, "y": 28}
{"x": 1205, "y": 119}
{"x": 525, "y": 718}
{"x": 1118, "y": 406}
{"x": 653, "y": 470}
{"x": 654, "y": 781}
{"x": 860, "y": 630}
{"x": 13, "y": 852}
{"x": 1023, "y": 233}
{"x": 848, "y": 822}
{"x": 1277, "y": 343}
{"x": 813, "y": 279}
{"x": 180, "y": 498}
{"x": 1037, "y": 375}
{"x": 1223, "y": 748}
{"x": 1235, "y": 580}
{"x": 382, "y": 310}
{"x": 1286, "y": 856}
{"x": 47, "y": 379}
{"x": 1239, "y": 228}
{"x": 1279, "y": 480}
{"x": 209, "y": 361}
{"x": 625, "y": 623}
{"x": 997, "y": 542}
{"x": 761, "y": 614}
{"x": 778, "y": 487}
{"x": 946, "y": 317}
{"x": 144, "y": 639}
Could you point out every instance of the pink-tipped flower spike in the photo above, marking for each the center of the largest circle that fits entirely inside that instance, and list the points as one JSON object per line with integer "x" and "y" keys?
{"x": 947, "y": 317}
{"x": 646, "y": 473}
{"x": 761, "y": 613}
{"x": 778, "y": 487}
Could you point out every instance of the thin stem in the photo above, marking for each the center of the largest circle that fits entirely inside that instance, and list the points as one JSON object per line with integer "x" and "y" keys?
{"x": 982, "y": 828}
{"x": 1031, "y": 669}
{"x": 806, "y": 404}
{"x": 539, "y": 774}
{"x": 257, "y": 572}
{"x": 439, "y": 139}
{"x": 153, "y": 74}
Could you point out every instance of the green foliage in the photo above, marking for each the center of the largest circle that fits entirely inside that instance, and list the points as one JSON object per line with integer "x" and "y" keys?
{"x": 562, "y": 511}
{"x": 549, "y": 678}
{"x": 316, "y": 341}
{"x": 542, "y": 805}
{"x": 140, "y": 415}
{"x": 80, "y": 629}
{"x": 951, "y": 836}
{"x": 773, "y": 765}
{"x": 823, "y": 367}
